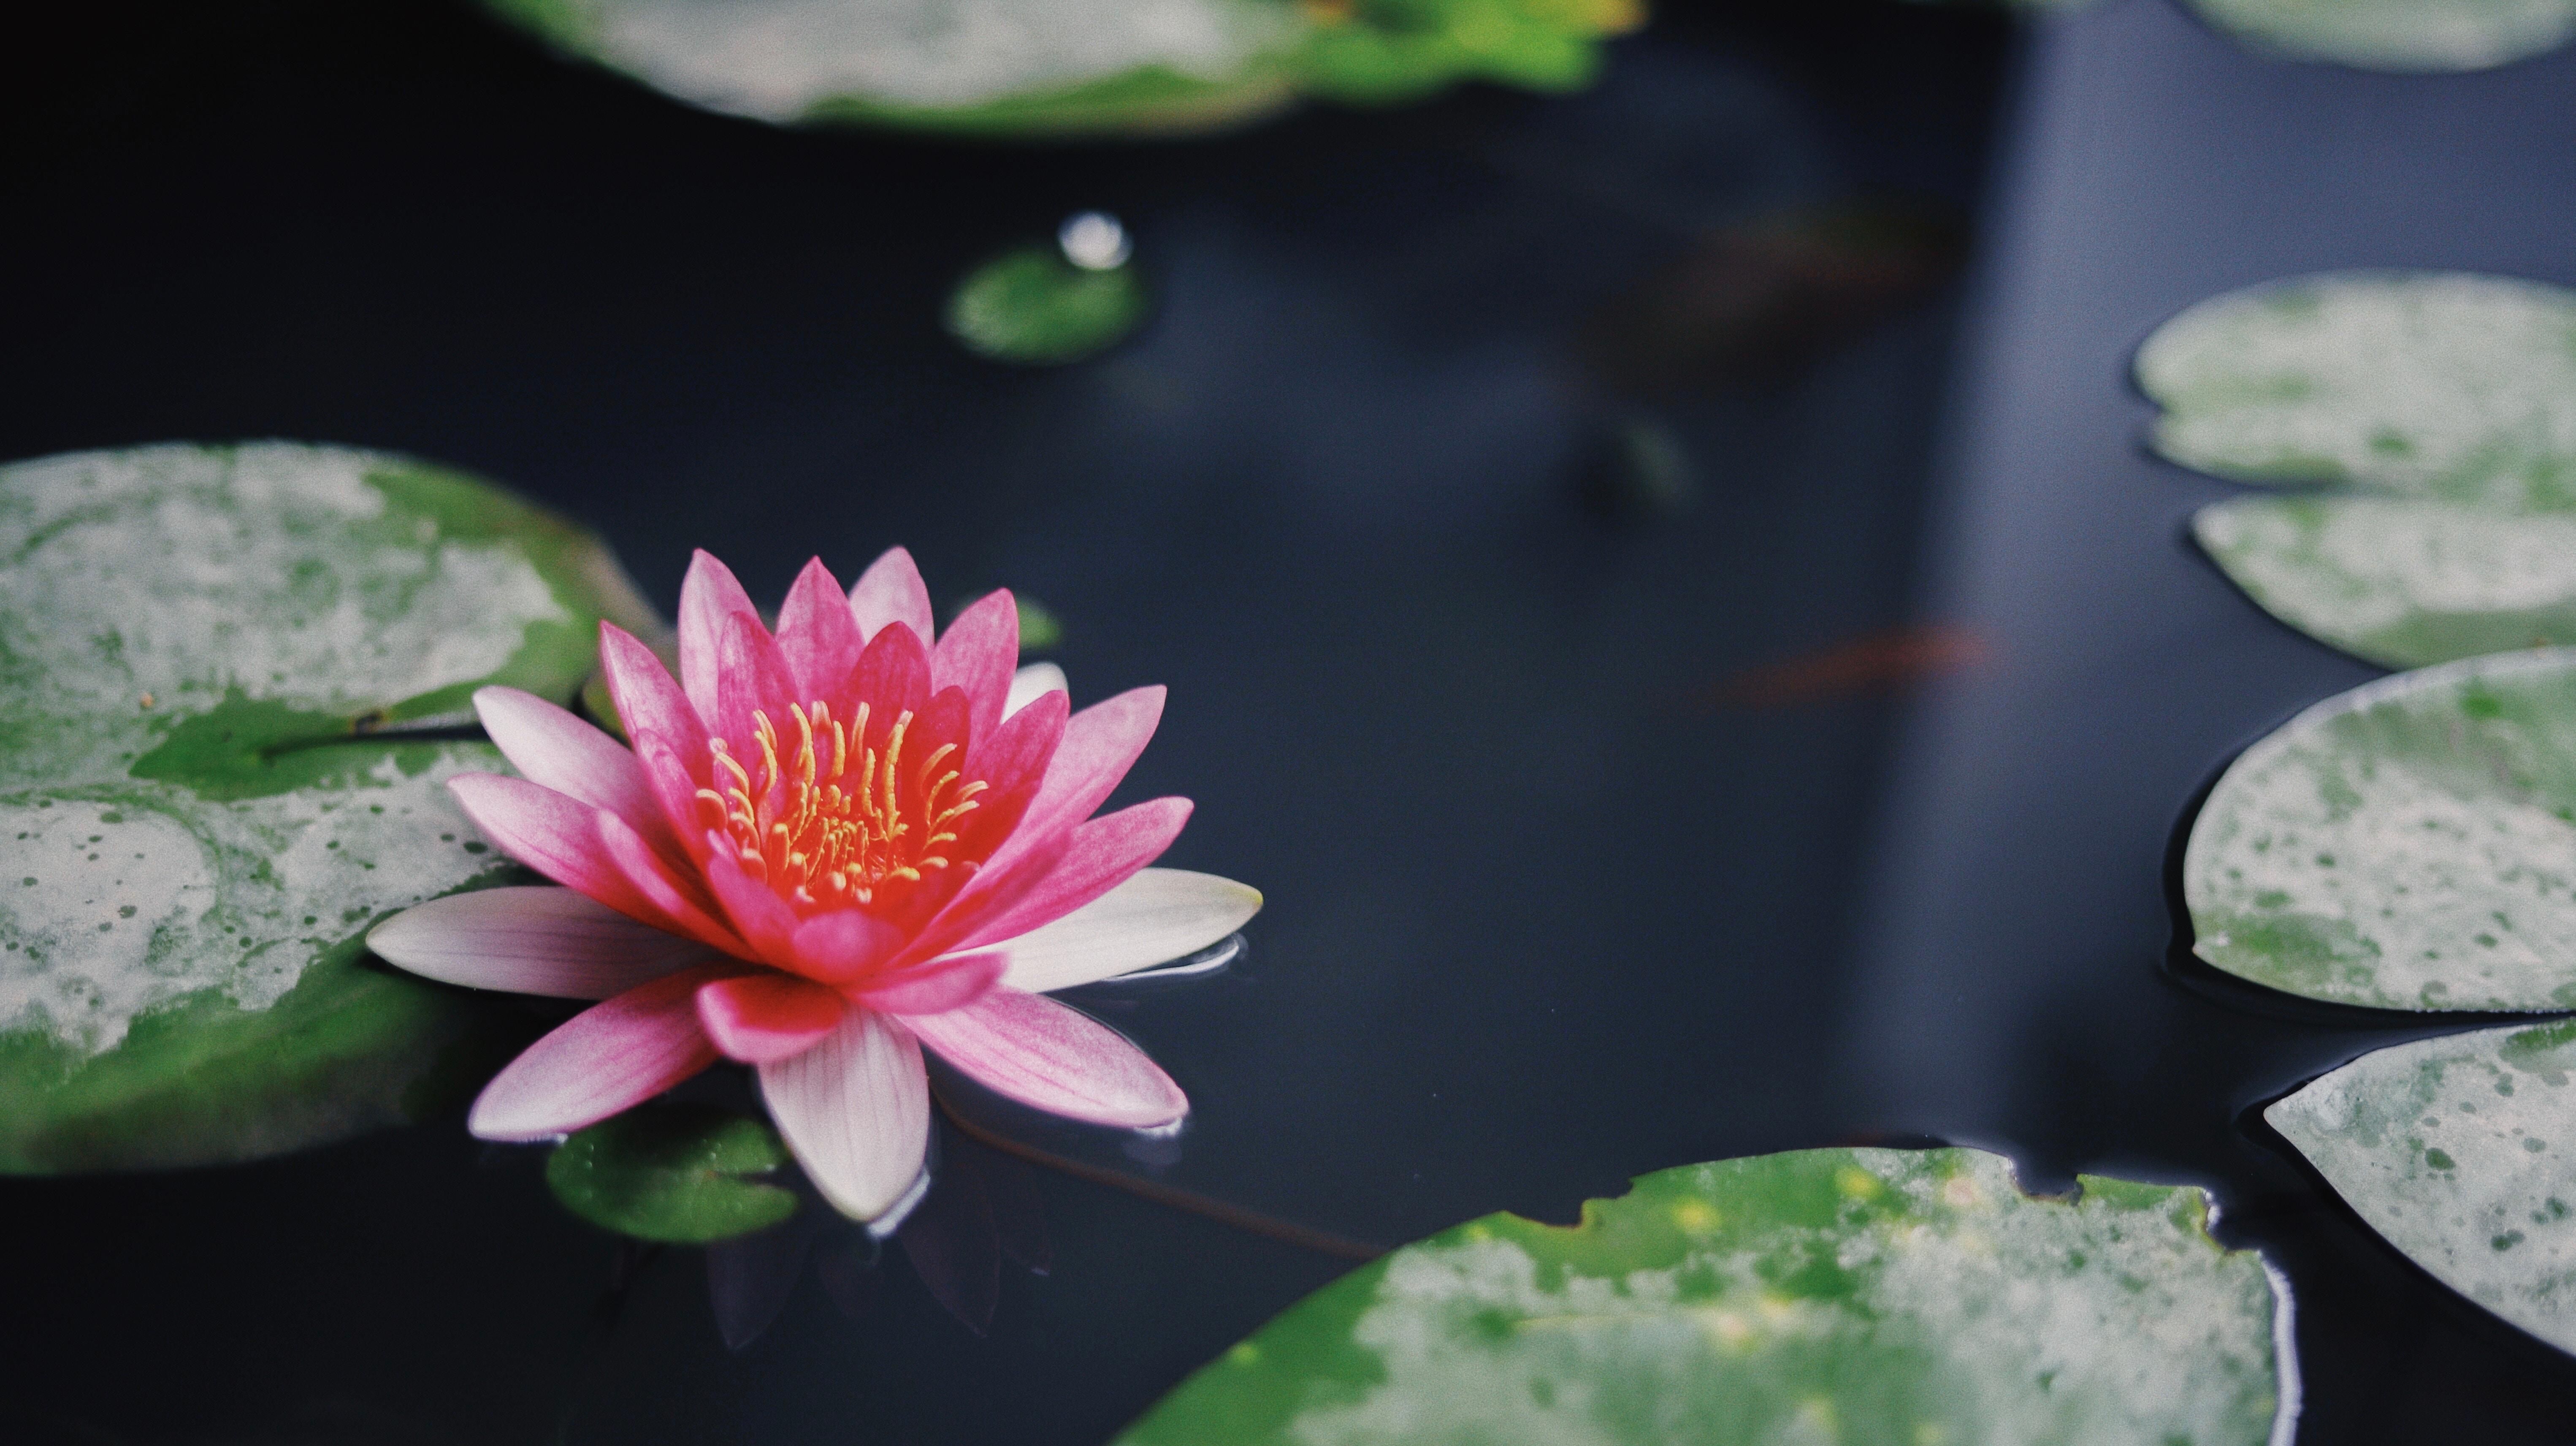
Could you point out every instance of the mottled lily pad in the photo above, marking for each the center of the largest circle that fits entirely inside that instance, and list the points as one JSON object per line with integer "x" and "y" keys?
{"x": 205, "y": 796}
{"x": 2462, "y": 1152}
{"x": 2410, "y": 844}
{"x": 1069, "y": 67}
{"x": 1827, "y": 1295}
{"x": 2404, "y": 581}
{"x": 1036, "y": 307}
{"x": 2424, "y": 384}
{"x": 2400, "y": 35}
{"x": 674, "y": 1173}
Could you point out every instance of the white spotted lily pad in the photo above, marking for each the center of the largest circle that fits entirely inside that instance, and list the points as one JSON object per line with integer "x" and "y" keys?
{"x": 1059, "y": 67}
{"x": 2402, "y": 581}
{"x": 200, "y": 647}
{"x": 1826, "y": 1295}
{"x": 2410, "y": 844}
{"x": 2400, "y": 35}
{"x": 2461, "y": 1151}
{"x": 2444, "y": 405}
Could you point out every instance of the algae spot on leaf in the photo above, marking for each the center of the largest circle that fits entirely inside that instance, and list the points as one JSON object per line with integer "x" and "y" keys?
{"x": 2446, "y": 1147}
{"x": 2407, "y": 845}
{"x": 2398, "y": 35}
{"x": 198, "y": 641}
{"x": 1861, "y": 1295}
{"x": 674, "y": 1173}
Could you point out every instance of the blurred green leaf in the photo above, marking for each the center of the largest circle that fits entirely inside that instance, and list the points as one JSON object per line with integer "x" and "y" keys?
{"x": 1035, "y": 307}
{"x": 673, "y": 1173}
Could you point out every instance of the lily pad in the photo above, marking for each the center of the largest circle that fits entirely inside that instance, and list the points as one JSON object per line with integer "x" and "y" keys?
{"x": 2400, "y": 35}
{"x": 1069, "y": 67}
{"x": 2404, "y": 581}
{"x": 1036, "y": 307}
{"x": 2418, "y": 383}
{"x": 2410, "y": 844}
{"x": 674, "y": 1173}
{"x": 206, "y": 795}
{"x": 2461, "y": 1151}
{"x": 1851, "y": 1295}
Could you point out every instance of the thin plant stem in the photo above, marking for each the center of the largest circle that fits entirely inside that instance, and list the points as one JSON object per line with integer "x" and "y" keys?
{"x": 1172, "y": 1197}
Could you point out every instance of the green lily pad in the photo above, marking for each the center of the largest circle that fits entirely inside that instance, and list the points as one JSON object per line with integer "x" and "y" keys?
{"x": 1069, "y": 67}
{"x": 2400, "y": 35}
{"x": 2404, "y": 581}
{"x": 2410, "y": 844}
{"x": 1826, "y": 1295}
{"x": 1036, "y": 307}
{"x": 2461, "y": 1151}
{"x": 206, "y": 797}
{"x": 674, "y": 1173}
{"x": 2424, "y": 384}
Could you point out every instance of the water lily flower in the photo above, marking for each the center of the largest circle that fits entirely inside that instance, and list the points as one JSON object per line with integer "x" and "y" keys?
{"x": 826, "y": 850}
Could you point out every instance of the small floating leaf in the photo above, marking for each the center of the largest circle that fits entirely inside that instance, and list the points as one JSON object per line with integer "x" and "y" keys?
{"x": 2403, "y": 581}
{"x": 1829, "y": 1295}
{"x": 201, "y": 806}
{"x": 1069, "y": 67}
{"x": 2407, "y": 845}
{"x": 2428, "y": 384}
{"x": 2462, "y": 1152}
{"x": 674, "y": 1173}
{"x": 1034, "y": 306}
{"x": 2400, "y": 35}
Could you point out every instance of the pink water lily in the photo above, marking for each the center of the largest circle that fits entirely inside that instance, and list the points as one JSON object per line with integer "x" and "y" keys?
{"x": 826, "y": 849}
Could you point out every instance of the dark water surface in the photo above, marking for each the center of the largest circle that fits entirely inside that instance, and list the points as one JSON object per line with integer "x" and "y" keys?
{"x": 1597, "y": 832}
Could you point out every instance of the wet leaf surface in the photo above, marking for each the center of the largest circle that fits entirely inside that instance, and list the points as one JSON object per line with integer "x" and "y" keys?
{"x": 2457, "y": 1150}
{"x": 206, "y": 793}
{"x": 1856, "y": 1295}
{"x": 676, "y": 1173}
{"x": 2406, "y": 845}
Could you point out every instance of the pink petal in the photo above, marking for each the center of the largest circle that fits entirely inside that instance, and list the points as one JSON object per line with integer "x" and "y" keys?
{"x": 670, "y": 738}
{"x": 890, "y": 591}
{"x": 1012, "y": 761}
{"x": 708, "y": 596}
{"x": 753, "y": 677}
{"x": 1100, "y": 744}
{"x": 1102, "y": 854}
{"x": 763, "y": 1018}
{"x": 533, "y": 940}
{"x": 856, "y": 1110}
{"x": 552, "y": 748}
{"x": 681, "y": 897}
{"x": 842, "y": 945}
{"x": 555, "y": 836}
{"x": 935, "y": 986}
{"x": 892, "y": 678}
{"x": 605, "y": 1059}
{"x": 1054, "y": 1058}
{"x": 755, "y": 910}
{"x": 817, "y": 633}
{"x": 978, "y": 653}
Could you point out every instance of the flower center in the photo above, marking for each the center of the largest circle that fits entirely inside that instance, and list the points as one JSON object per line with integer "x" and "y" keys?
{"x": 841, "y": 818}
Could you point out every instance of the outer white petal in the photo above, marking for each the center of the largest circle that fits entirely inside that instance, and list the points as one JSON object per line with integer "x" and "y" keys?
{"x": 856, "y": 1110}
{"x": 535, "y": 940}
{"x": 1032, "y": 681}
{"x": 1157, "y": 916}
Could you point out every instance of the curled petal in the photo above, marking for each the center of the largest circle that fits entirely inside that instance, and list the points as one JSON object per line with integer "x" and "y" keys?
{"x": 1029, "y": 682}
{"x": 856, "y": 1110}
{"x": 1054, "y": 1058}
{"x": 708, "y": 596}
{"x": 817, "y": 633}
{"x": 764, "y": 1018}
{"x": 891, "y": 591}
{"x": 609, "y": 1057}
{"x": 978, "y": 653}
{"x": 1156, "y": 916}
{"x": 935, "y": 986}
{"x": 552, "y": 748}
{"x": 536, "y": 940}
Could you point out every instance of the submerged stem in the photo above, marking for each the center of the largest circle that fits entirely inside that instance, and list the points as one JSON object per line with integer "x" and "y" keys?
{"x": 1170, "y": 1196}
